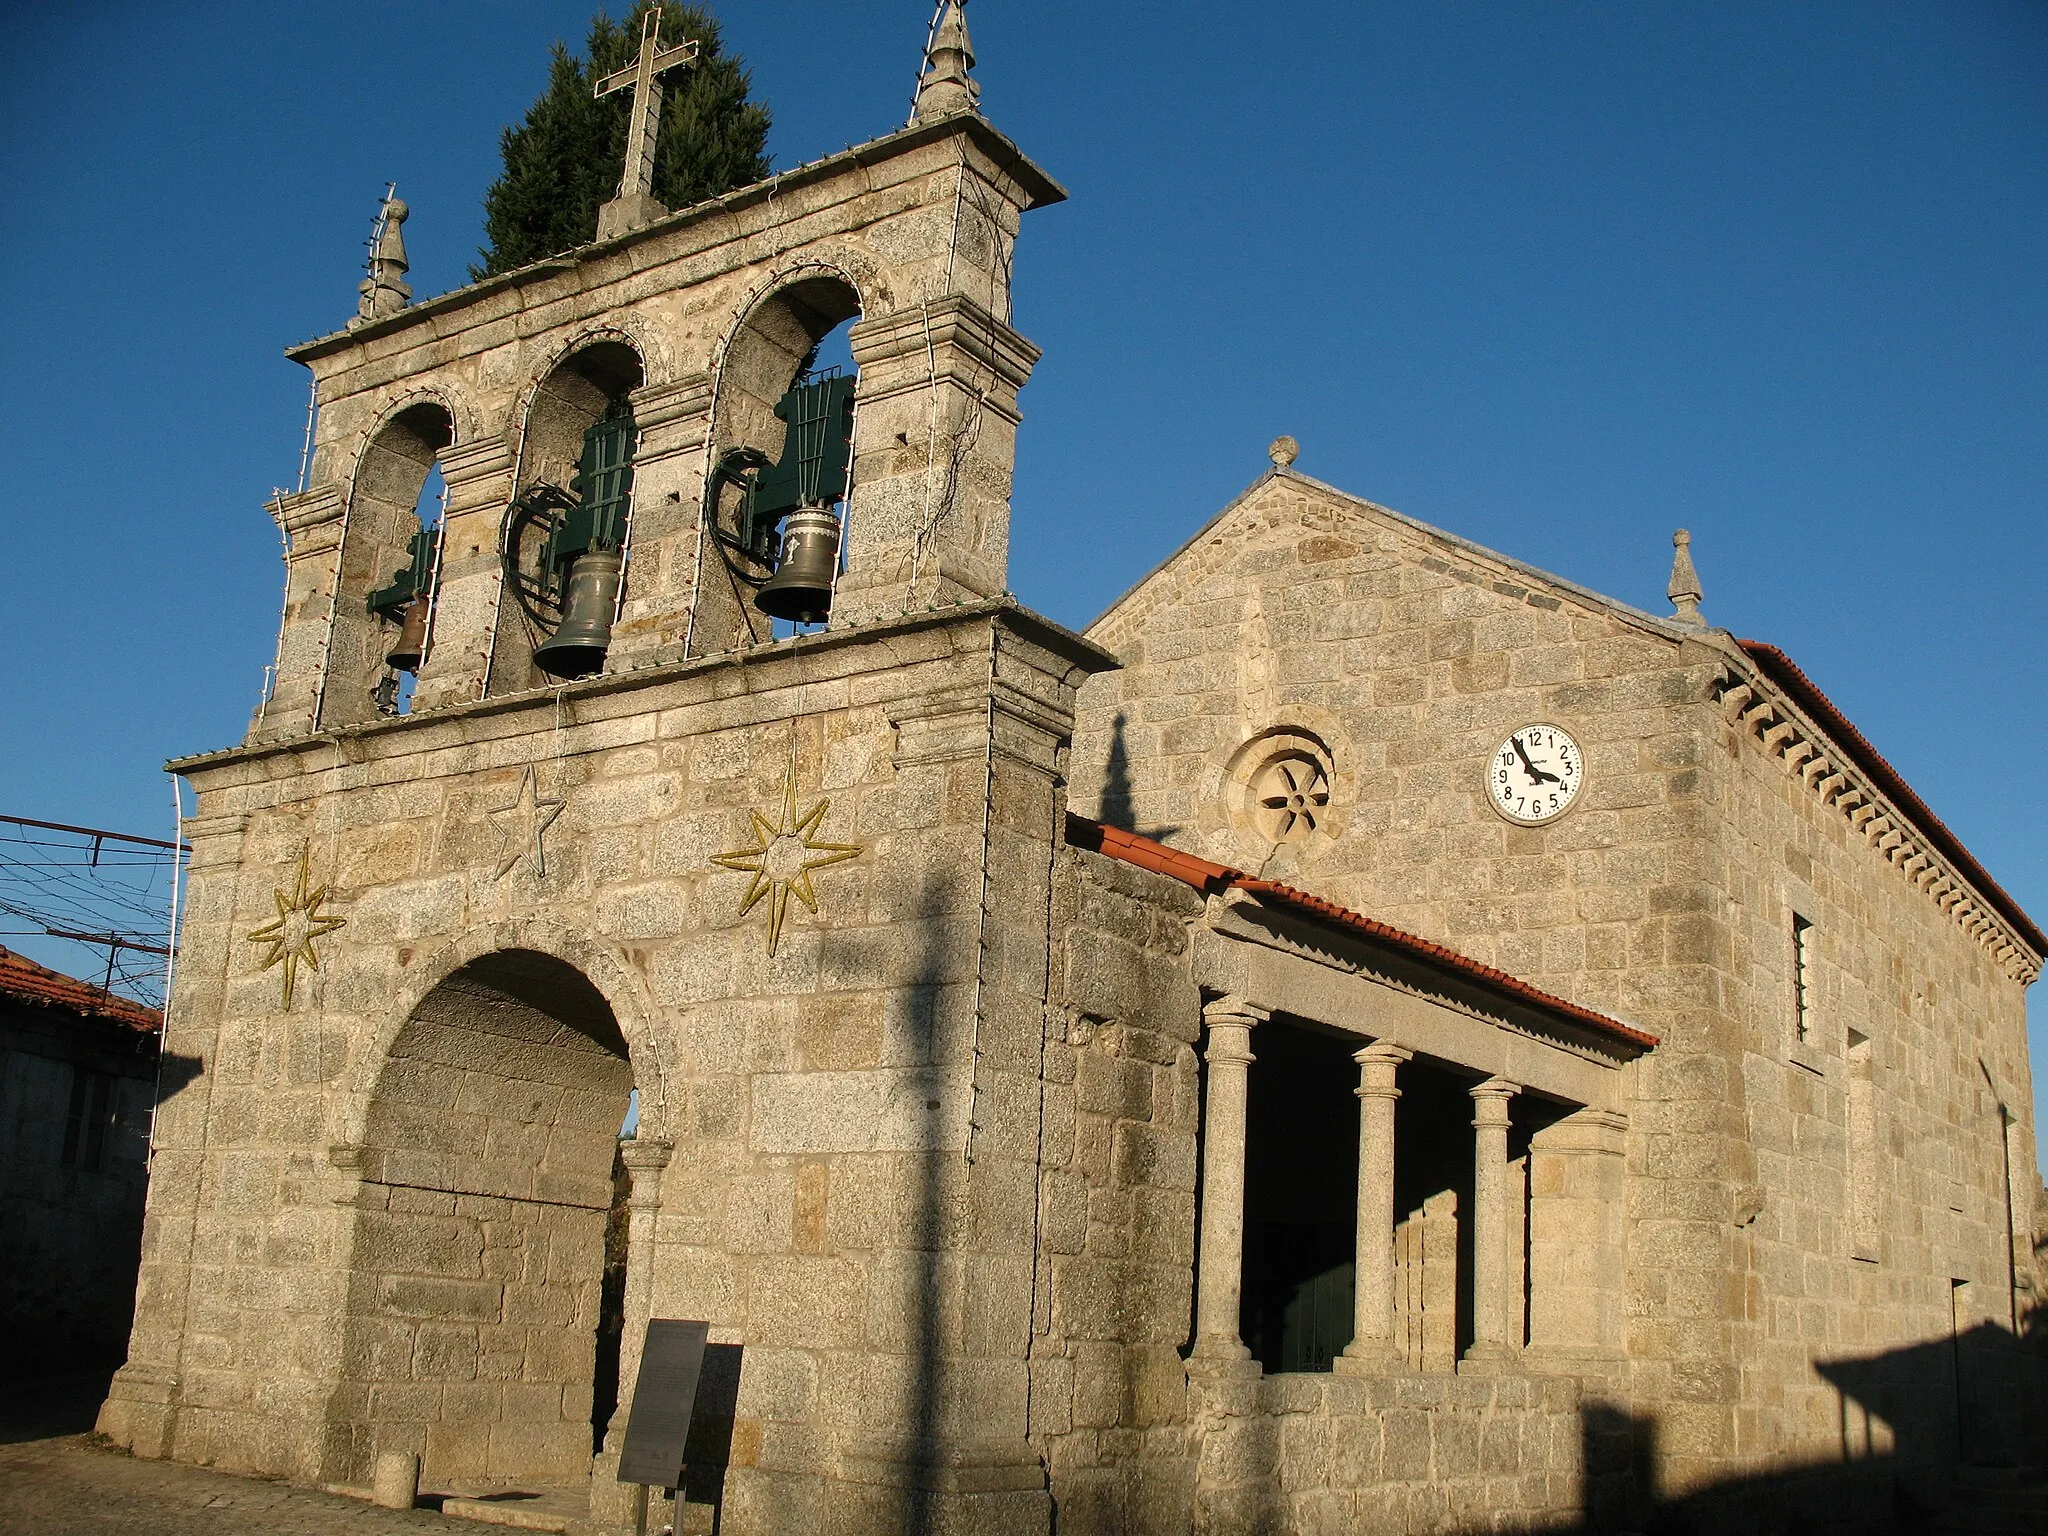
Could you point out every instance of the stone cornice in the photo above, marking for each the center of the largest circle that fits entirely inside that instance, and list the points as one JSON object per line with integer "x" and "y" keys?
{"x": 793, "y": 663}
{"x": 954, "y": 325}
{"x": 297, "y": 513}
{"x": 1753, "y": 703}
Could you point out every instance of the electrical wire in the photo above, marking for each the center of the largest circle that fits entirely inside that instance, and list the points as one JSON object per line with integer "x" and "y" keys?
{"x": 92, "y": 891}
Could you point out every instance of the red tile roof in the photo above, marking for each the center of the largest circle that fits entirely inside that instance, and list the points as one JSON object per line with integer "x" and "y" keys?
{"x": 1214, "y": 879}
{"x": 23, "y": 981}
{"x": 1783, "y": 671}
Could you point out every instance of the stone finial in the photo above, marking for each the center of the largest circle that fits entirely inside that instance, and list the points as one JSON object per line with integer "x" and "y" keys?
{"x": 945, "y": 88}
{"x": 1684, "y": 591}
{"x": 1283, "y": 451}
{"x": 384, "y": 293}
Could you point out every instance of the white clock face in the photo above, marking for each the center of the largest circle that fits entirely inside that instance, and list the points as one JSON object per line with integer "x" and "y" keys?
{"x": 1535, "y": 775}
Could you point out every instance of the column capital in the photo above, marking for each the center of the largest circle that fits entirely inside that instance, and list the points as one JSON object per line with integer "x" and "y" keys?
{"x": 476, "y": 459}
{"x": 645, "y": 1154}
{"x": 1377, "y": 1064}
{"x": 1230, "y": 1021}
{"x": 1593, "y": 1131}
{"x": 1234, "y": 1010}
{"x": 300, "y": 511}
{"x": 1490, "y": 1100}
{"x": 952, "y": 337}
{"x": 645, "y": 1158}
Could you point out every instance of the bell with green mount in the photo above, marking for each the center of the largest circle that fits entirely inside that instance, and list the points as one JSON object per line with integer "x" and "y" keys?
{"x": 785, "y": 522}
{"x": 408, "y": 601}
{"x": 584, "y": 557}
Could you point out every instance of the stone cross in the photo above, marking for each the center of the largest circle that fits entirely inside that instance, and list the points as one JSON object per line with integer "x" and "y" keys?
{"x": 635, "y": 205}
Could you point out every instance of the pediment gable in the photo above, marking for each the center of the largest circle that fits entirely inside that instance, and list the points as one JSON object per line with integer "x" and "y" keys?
{"x": 1284, "y": 515}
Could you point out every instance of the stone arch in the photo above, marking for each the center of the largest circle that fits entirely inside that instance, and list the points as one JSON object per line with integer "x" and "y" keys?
{"x": 340, "y": 457}
{"x": 760, "y": 355}
{"x": 569, "y": 394}
{"x": 856, "y": 271}
{"x": 389, "y": 468}
{"x": 634, "y": 331}
{"x": 602, "y": 966}
{"x": 486, "y": 1157}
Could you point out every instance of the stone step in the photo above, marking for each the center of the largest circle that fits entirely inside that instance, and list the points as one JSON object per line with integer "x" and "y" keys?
{"x": 541, "y": 1509}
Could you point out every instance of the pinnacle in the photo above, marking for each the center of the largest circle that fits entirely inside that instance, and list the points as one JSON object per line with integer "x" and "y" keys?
{"x": 1684, "y": 590}
{"x": 945, "y": 87}
{"x": 384, "y": 292}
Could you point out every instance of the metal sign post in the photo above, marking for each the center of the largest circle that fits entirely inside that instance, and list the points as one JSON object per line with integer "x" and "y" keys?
{"x": 658, "y": 1425}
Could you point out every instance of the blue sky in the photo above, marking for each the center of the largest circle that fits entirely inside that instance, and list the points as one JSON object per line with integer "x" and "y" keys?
{"x": 1559, "y": 277}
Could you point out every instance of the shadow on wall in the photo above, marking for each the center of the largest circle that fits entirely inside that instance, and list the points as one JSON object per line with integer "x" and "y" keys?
{"x": 1925, "y": 1431}
{"x": 1117, "y": 809}
{"x": 1118, "y": 806}
{"x": 902, "y": 1418}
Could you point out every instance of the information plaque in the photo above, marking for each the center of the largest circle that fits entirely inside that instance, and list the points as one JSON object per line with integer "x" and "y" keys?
{"x": 658, "y": 1427}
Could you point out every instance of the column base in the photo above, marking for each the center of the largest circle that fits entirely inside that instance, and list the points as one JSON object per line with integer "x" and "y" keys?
{"x": 611, "y": 1501}
{"x": 141, "y": 1411}
{"x": 1221, "y": 1348}
{"x": 1490, "y": 1360}
{"x": 1376, "y": 1359}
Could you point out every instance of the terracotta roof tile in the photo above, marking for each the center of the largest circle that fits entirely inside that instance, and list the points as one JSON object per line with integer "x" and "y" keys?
{"x": 1214, "y": 879}
{"x": 24, "y": 981}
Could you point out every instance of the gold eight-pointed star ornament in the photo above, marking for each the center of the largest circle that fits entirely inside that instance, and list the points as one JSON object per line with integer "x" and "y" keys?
{"x": 786, "y": 853}
{"x": 300, "y": 925}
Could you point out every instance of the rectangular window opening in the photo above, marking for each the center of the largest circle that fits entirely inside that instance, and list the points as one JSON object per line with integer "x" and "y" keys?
{"x": 94, "y": 1155}
{"x": 1865, "y": 1191}
{"x": 74, "y": 1117}
{"x": 1301, "y": 1198}
{"x": 87, "y": 1119}
{"x": 1802, "y": 979}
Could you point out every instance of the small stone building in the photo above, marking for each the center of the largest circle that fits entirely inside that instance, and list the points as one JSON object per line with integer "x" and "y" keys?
{"x": 1143, "y": 1081}
{"x": 78, "y": 1079}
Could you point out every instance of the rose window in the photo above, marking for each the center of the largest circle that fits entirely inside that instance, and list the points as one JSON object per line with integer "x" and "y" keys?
{"x": 1290, "y": 795}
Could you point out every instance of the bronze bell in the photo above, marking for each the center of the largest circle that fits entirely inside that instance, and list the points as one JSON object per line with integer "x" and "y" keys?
{"x": 801, "y": 588}
{"x": 410, "y": 647}
{"x": 576, "y": 648}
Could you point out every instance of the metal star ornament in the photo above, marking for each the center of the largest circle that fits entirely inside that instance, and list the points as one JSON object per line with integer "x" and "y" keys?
{"x": 786, "y": 853}
{"x": 520, "y": 826}
{"x": 300, "y": 924}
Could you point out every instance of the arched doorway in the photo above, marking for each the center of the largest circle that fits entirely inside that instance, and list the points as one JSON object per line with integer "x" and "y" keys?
{"x": 478, "y": 1260}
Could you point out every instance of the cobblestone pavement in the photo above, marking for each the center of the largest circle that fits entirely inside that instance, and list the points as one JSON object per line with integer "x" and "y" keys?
{"x": 60, "y": 1484}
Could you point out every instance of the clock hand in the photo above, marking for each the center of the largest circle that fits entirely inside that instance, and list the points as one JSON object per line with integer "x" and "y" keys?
{"x": 1536, "y": 775}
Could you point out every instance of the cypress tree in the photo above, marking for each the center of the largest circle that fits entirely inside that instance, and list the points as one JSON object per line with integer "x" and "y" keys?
{"x": 565, "y": 158}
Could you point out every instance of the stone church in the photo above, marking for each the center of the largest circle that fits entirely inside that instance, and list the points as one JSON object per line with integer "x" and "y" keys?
{"x": 1369, "y": 1037}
